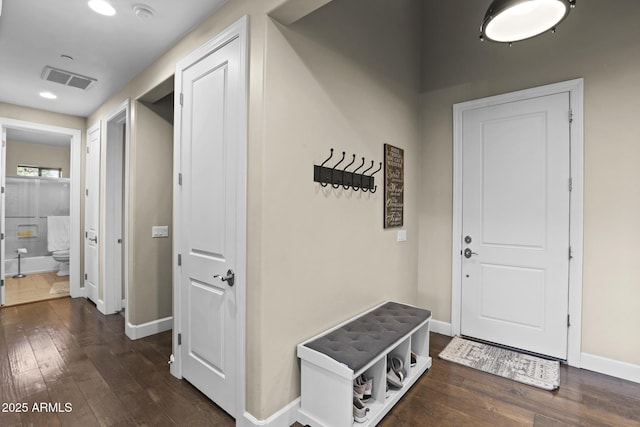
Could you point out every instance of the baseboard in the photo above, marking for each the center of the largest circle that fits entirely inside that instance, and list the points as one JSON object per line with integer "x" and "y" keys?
{"x": 614, "y": 368}
{"x": 136, "y": 332}
{"x": 285, "y": 417}
{"x": 439, "y": 327}
{"x": 100, "y": 306}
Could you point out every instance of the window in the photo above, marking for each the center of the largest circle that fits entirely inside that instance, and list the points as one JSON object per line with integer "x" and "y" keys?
{"x": 24, "y": 170}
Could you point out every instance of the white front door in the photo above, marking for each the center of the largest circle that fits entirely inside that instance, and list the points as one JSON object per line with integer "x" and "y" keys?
{"x": 92, "y": 214}
{"x": 210, "y": 201}
{"x": 515, "y": 224}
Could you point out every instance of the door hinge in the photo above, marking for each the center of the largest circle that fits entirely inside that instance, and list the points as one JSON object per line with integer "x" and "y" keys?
{"x": 181, "y": 98}
{"x": 568, "y": 320}
{"x": 1, "y": 190}
{"x": 570, "y": 184}
{"x": 86, "y": 234}
{"x": 570, "y": 116}
{"x": 87, "y": 149}
{"x": 1, "y": 236}
{"x": 85, "y": 276}
{"x": 179, "y": 339}
{"x": 1, "y": 283}
{"x": 570, "y": 253}
{"x": 86, "y": 192}
{"x": 179, "y": 179}
{"x": 179, "y": 259}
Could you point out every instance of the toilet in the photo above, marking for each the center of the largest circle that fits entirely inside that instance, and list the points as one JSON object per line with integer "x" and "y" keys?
{"x": 63, "y": 258}
{"x": 58, "y": 241}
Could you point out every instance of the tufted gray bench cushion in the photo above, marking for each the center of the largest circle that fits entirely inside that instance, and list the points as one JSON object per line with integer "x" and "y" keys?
{"x": 365, "y": 337}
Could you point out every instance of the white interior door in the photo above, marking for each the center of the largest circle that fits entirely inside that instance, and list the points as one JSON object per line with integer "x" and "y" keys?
{"x": 515, "y": 224}
{"x": 3, "y": 172}
{"x": 113, "y": 230}
{"x": 211, "y": 167}
{"x": 92, "y": 214}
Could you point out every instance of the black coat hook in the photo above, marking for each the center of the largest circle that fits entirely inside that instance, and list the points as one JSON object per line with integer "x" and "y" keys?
{"x": 375, "y": 188}
{"x": 324, "y": 184}
{"x": 334, "y": 169}
{"x": 346, "y": 187}
{"x": 357, "y": 176}
{"x": 364, "y": 173}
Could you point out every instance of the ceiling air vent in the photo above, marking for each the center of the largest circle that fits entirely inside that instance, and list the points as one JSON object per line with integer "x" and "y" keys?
{"x": 67, "y": 78}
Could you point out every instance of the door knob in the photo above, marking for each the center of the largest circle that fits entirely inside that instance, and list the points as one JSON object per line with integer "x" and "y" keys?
{"x": 468, "y": 252}
{"x": 229, "y": 278}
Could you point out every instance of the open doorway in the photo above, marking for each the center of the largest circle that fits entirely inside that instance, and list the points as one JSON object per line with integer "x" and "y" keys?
{"x": 115, "y": 223}
{"x": 40, "y": 212}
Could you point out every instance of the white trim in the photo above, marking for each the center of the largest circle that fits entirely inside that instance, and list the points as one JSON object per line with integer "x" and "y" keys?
{"x": 285, "y": 417}
{"x": 614, "y": 368}
{"x": 113, "y": 297}
{"x": 239, "y": 30}
{"x": 136, "y": 332}
{"x": 443, "y": 328}
{"x": 75, "y": 135}
{"x": 576, "y": 90}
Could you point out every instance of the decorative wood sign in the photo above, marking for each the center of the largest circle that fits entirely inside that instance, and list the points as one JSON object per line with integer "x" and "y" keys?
{"x": 393, "y": 186}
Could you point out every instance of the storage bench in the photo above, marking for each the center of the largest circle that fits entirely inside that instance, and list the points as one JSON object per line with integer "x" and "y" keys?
{"x": 331, "y": 361}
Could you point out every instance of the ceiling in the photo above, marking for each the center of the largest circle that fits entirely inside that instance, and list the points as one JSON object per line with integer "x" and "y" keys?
{"x": 113, "y": 50}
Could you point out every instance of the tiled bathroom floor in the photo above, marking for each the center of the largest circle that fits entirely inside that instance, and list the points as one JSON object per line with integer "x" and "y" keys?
{"x": 35, "y": 287}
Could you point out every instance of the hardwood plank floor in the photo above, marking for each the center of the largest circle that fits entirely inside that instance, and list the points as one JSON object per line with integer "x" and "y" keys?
{"x": 64, "y": 351}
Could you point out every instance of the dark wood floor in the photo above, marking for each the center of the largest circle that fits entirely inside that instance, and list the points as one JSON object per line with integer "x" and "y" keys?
{"x": 453, "y": 395}
{"x": 64, "y": 351}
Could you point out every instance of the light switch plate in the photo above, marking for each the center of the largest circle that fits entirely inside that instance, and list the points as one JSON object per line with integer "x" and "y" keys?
{"x": 402, "y": 235}
{"x": 160, "y": 231}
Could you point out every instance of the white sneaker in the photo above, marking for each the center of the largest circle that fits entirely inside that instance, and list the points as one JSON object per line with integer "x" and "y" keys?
{"x": 359, "y": 410}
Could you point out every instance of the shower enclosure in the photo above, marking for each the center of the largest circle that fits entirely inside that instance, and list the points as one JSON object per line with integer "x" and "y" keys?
{"x": 28, "y": 203}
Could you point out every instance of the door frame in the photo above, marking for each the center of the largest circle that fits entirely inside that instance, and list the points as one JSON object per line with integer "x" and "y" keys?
{"x": 576, "y": 96}
{"x": 114, "y": 159}
{"x": 75, "y": 135}
{"x": 237, "y": 30}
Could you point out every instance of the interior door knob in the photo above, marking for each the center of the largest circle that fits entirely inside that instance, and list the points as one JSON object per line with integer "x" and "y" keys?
{"x": 229, "y": 278}
{"x": 468, "y": 253}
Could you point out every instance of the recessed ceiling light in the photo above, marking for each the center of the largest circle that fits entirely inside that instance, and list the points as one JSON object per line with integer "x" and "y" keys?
{"x": 48, "y": 95}
{"x": 102, "y": 7}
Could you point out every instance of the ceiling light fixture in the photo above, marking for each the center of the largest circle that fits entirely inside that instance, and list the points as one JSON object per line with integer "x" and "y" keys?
{"x": 508, "y": 21}
{"x": 102, "y": 7}
{"x": 48, "y": 95}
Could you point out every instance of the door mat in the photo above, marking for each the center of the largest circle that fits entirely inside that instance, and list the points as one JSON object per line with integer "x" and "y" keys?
{"x": 520, "y": 367}
{"x": 59, "y": 288}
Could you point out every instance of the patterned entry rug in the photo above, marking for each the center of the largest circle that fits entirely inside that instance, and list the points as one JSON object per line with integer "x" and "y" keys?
{"x": 510, "y": 364}
{"x": 59, "y": 288}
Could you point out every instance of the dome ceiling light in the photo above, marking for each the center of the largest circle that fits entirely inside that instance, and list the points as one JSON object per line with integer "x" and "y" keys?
{"x": 102, "y": 7}
{"x": 508, "y": 21}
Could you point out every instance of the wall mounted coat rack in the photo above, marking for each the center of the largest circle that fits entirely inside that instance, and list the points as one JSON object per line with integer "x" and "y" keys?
{"x": 341, "y": 176}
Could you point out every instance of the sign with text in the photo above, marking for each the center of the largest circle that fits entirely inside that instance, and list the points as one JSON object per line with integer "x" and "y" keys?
{"x": 393, "y": 186}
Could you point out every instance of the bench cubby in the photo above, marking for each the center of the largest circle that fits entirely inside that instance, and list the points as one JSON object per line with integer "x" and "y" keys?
{"x": 332, "y": 360}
